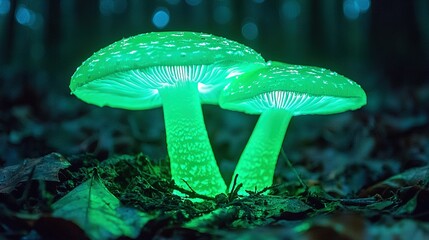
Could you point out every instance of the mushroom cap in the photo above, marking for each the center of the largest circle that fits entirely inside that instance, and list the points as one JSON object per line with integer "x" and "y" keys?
{"x": 298, "y": 89}
{"x": 128, "y": 73}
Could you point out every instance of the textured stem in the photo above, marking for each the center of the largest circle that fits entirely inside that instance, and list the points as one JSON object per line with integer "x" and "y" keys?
{"x": 189, "y": 149}
{"x": 258, "y": 161}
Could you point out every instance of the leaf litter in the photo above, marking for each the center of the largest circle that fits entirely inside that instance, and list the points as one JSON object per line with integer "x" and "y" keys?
{"x": 45, "y": 168}
{"x": 130, "y": 195}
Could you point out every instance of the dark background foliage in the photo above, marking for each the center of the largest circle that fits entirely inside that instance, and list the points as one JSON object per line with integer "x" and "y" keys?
{"x": 383, "y": 45}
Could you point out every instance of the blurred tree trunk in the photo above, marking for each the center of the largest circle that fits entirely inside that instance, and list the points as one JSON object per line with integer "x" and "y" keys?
{"x": 7, "y": 48}
{"x": 52, "y": 33}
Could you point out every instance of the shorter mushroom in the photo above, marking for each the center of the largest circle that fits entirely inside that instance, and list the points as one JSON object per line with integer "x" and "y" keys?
{"x": 278, "y": 92}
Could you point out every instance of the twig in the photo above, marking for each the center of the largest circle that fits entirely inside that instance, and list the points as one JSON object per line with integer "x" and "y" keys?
{"x": 235, "y": 188}
{"x": 267, "y": 188}
{"x": 26, "y": 191}
{"x": 289, "y": 164}
{"x": 358, "y": 201}
{"x": 187, "y": 184}
{"x": 191, "y": 193}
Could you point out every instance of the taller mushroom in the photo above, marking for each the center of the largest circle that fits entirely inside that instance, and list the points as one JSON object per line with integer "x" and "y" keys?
{"x": 178, "y": 71}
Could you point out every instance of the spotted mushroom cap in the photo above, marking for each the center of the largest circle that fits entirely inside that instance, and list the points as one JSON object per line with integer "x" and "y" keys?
{"x": 298, "y": 89}
{"x": 128, "y": 73}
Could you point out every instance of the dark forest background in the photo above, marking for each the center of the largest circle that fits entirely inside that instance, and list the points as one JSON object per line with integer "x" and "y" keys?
{"x": 383, "y": 45}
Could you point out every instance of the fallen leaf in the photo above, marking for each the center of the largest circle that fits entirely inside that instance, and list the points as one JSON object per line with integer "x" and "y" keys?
{"x": 218, "y": 217}
{"x": 417, "y": 178}
{"x": 275, "y": 207}
{"x": 379, "y": 206}
{"x": 416, "y": 206}
{"x": 341, "y": 226}
{"x": 45, "y": 168}
{"x": 98, "y": 212}
{"x": 400, "y": 229}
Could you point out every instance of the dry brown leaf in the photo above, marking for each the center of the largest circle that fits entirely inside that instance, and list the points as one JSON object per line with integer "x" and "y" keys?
{"x": 44, "y": 168}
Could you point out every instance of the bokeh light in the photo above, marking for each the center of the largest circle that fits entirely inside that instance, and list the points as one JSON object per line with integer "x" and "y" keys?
{"x": 250, "y": 30}
{"x": 24, "y": 16}
{"x": 193, "y": 2}
{"x": 222, "y": 14}
{"x": 173, "y": 2}
{"x": 291, "y": 9}
{"x": 161, "y": 18}
{"x": 353, "y": 8}
{"x": 363, "y": 5}
{"x": 28, "y": 17}
{"x": 109, "y": 7}
{"x": 4, "y": 6}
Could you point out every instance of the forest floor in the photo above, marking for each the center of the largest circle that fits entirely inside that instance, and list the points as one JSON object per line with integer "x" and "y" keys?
{"x": 370, "y": 183}
{"x": 130, "y": 196}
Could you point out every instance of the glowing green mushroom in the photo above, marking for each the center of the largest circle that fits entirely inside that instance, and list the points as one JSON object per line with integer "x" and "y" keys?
{"x": 278, "y": 92}
{"x": 176, "y": 70}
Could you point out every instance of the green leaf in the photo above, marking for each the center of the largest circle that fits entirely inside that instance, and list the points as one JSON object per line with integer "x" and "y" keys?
{"x": 381, "y": 205}
{"x": 98, "y": 212}
{"x": 220, "y": 216}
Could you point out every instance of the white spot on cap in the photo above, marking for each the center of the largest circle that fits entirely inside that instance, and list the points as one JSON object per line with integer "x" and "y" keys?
{"x": 215, "y": 48}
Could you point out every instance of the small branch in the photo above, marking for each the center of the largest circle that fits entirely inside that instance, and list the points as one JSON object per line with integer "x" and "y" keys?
{"x": 26, "y": 191}
{"x": 191, "y": 193}
{"x": 234, "y": 190}
{"x": 267, "y": 188}
{"x": 187, "y": 184}
{"x": 289, "y": 164}
{"x": 358, "y": 201}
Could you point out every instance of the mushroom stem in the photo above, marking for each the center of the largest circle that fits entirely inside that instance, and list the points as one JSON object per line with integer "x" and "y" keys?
{"x": 257, "y": 163}
{"x": 191, "y": 156}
